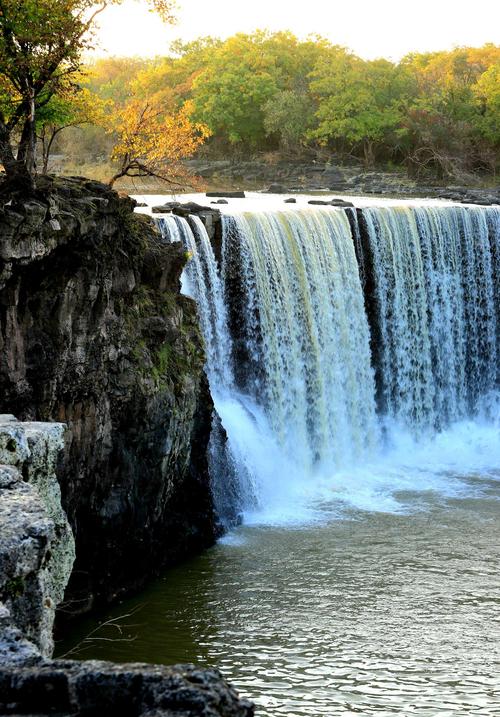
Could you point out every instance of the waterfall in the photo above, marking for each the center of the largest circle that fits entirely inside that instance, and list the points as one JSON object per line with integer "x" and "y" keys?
{"x": 435, "y": 325}
{"x": 327, "y": 331}
{"x": 303, "y": 324}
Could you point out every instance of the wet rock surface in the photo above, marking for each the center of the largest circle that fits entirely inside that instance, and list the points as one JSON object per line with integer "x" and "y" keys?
{"x": 94, "y": 333}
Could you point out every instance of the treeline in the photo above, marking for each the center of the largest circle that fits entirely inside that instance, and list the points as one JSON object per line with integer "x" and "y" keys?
{"x": 434, "y": 113}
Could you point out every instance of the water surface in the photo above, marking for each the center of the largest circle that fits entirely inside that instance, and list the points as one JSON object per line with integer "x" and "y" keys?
{"x": 373, "y": 613}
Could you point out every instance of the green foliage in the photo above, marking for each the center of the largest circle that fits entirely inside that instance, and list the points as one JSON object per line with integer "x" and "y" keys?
{"x": 487, "y": 95}
{"x": 288, "y": 115}
{"x": 41, "y": 44}
{"x": 435, "y": 112}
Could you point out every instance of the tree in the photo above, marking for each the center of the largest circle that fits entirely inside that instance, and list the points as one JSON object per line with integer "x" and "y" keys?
{"x": 450, "y": 123}
{"x": 487, "y": 93}
{"x": 150, "y": 144}
{"x": 359, "y": 103}
{"x": 41, "y": 42}
{"x": 288, "y": 115}
{"x": 65, "y": 111}
{"x": 229, "y": 93}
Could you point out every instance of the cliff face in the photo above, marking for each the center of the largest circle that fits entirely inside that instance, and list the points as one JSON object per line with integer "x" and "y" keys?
{"x": 94, "y": 333}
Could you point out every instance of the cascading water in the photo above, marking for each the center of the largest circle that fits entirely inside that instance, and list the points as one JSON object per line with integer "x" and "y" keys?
{"x": 435, "y": 322}
{"x": 306, "y": 332}
{"x": 296, "y": 375}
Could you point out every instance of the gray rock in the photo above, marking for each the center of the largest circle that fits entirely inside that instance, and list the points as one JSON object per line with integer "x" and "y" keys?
{"x": 36, "y": 542}
{"x": 165, "y": 208}
{"x": 229, "y": 195}
{"x": 277, "y": 189}
{"x": 340, "y": 203}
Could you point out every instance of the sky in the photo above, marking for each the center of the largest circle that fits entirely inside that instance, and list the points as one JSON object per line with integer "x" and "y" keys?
{"x": 372, "y": 28}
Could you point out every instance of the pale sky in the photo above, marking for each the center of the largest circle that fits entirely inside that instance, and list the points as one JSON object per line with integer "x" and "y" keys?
{"x": 372, "y": 28}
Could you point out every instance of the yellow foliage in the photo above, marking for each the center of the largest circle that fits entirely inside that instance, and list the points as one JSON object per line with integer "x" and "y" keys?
{"x": 150, "y": 143}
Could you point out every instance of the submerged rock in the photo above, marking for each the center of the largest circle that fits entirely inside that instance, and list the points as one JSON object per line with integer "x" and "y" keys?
{"x": 229, "y": 195}
{"x": 277, "y": 189}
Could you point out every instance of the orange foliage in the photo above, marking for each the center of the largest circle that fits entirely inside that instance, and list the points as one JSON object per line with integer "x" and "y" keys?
{"x": 150, "y": 144}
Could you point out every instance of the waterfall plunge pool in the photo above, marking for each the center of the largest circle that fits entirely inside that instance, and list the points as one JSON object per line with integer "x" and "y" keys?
{"x": 371, "y": 614}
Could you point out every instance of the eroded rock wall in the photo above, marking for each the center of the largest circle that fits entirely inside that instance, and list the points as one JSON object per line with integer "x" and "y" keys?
{"x": 37, "y": 549}
{"x": 94, "y": 333}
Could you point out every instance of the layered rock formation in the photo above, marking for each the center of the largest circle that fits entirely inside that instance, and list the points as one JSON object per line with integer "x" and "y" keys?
{"x": 94, "y": 333}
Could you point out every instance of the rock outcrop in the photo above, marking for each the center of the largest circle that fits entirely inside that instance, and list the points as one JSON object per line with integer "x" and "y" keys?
{"x": 36, "y": 544}
{"x": 95, "y": 334}
{"x": 92, "y": 689}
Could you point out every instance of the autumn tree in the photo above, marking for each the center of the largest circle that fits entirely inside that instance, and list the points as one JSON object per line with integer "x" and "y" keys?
{"x": 152, "y": 144}
{"x": 41, "y": 42}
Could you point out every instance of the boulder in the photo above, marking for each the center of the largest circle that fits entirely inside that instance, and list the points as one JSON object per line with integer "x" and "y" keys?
{"x": 277, "y": 189}
{"x": 68, "y": 688}
{"x": 165, "y": 208}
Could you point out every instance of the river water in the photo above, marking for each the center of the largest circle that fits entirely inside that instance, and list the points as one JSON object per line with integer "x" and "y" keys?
{"x": 357, "y": 612}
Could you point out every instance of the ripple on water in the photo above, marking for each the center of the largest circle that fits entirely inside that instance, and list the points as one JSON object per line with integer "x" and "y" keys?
{"x": 379, "y": 615}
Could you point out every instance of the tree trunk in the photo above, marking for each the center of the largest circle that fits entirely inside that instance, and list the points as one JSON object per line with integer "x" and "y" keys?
{"x": 15, "y": 169}
{"x": 27, "y": 146}
{"x": 369, "y": 154}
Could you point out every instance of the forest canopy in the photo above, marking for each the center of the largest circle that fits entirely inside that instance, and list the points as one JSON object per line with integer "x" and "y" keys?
{"x": 435, "y": 113}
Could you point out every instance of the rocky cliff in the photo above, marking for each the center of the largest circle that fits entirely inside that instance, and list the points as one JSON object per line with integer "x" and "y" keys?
{"x": 94, "y": 333}
{"x": 36, "y": 543}
{"x": 36, "y": 555}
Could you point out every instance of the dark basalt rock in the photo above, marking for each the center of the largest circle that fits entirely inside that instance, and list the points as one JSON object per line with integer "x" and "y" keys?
{"x": 68, "y": 688}
{"x": 340, "y": 203}
{"x": 318, "y": 202}
{"x": 191, "y": 208}
{"x": 165, "y": 208}
{"x": 277, "y": 189}
{"x": 291, "y": 200}
{"x": 229, "y": 195}
{"x": 94, "y": 333}
{"x": 220, "y": 201}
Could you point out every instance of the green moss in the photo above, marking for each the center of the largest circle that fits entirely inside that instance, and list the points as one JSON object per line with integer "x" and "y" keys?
{"x": 14, "y": 588}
